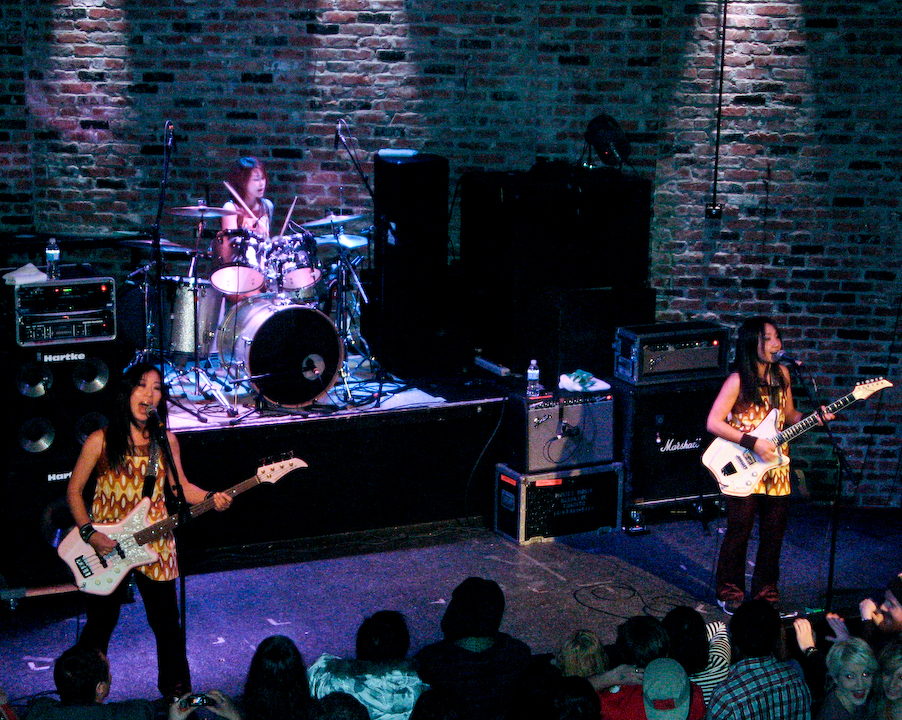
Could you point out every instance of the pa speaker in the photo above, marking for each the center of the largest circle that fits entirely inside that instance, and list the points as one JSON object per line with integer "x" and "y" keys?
{"x": 662, "y": 432}
{"x": 407, "y": 328}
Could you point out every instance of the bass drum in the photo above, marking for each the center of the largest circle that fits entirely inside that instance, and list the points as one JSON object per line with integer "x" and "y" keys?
{"x": 291, "y": 354}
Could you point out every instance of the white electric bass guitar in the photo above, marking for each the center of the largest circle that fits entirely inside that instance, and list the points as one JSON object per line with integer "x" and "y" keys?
{"x": 738, "y": 470}
{"x": 101, "y": 575}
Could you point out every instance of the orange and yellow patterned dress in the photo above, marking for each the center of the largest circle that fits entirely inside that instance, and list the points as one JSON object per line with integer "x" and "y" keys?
{"x": 775, "y": 482}
{"x": 119, "y": 492}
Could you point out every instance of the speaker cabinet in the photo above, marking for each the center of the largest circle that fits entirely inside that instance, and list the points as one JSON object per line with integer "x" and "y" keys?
{"x": 541, "y": 506}
{"x": 563, "y": 431}
{"x": 661, "y": 430}
{"x": 58, "y": 395}
{"x": 410, "y": 260}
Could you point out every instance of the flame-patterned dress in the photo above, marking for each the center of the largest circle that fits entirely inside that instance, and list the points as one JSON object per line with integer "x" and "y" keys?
{"x": 776, "y": 481}
{"x": 120, "y": 490}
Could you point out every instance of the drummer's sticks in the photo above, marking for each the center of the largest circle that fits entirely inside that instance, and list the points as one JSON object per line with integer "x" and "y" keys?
{"x": 240, "y": 201}
{"x": 288, "y": 217}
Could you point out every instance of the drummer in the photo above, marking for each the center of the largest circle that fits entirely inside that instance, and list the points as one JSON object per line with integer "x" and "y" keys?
{"x": 248, "y": 178}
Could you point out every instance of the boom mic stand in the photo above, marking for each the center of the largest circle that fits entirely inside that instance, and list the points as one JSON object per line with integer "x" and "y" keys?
{"x": 845, "y": 472}
{"x": 156, "y": 252}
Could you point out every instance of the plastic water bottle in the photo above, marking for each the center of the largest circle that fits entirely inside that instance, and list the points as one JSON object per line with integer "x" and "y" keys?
{"x": 52, "y": 257}
{"x": 532, "y": 379}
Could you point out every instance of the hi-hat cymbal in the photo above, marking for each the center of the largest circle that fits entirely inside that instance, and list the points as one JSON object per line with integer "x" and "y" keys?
{"x": 200, "y": 211}
{"x": 332, "y": 219}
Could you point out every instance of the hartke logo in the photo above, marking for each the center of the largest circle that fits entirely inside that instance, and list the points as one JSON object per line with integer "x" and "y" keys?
{"x": 67, "y": 357}
{"x": 676, "y": 446}
{"x": 54, "y": 477}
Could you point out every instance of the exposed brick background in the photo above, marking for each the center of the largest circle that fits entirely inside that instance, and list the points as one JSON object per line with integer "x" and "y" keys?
{"x": 809, "y": 161}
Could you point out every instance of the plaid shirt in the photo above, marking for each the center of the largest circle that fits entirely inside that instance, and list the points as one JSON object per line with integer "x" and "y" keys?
{"x": 761, "y": 689}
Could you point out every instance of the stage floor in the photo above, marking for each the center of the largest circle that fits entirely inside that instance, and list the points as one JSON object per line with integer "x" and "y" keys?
{"x": 318, "y": 594}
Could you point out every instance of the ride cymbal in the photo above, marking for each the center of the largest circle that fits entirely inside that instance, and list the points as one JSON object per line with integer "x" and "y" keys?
{"x": 332, "y": 219}
{"x": 200, "y": 211}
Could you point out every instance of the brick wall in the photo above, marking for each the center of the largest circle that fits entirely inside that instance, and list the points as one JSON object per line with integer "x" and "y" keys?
{"x": 808, "y": 162}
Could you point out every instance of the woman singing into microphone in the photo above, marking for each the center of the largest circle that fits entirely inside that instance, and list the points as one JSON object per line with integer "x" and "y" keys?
{"x": 127, "y": 461}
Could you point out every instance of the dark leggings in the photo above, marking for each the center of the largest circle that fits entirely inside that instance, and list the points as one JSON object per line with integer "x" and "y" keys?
{"x": 772, "y": 516}
{"x": 161, "y": 606}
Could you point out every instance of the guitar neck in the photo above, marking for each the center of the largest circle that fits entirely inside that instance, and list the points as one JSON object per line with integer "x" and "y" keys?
{"x": 158, "y": 529}
{"x": 804, "y": 425}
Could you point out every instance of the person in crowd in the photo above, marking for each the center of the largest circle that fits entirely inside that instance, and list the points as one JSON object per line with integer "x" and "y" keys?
{"x": 886, "y": 618}
{"x": 758, "y": 385}
{"x": 572, "y": 697}
{"x": 758, "y": 685}
{"x": 852, "y": 667}
{"x": 668, "y": 694}
{"x": 582, "y": 655}
{"x": 703, "y": 649}
{"x": 380, "y": 677}
{"x": 484, "y": 668}
{"x": 128, "y": 463}
{"x": 889, "y": 696}
{"x": 435, "y": 704}
{"x": 340, "y": 706}
{"x": 276, "y": 687}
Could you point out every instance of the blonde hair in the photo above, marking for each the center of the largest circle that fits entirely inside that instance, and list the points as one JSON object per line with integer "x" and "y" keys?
{"x": 582, "y": 654}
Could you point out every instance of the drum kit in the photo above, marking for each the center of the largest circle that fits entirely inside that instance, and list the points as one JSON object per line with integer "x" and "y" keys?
{"x": 265, "y": 309}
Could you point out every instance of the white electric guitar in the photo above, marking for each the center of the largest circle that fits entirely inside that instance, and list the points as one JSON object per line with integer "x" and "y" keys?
{"x": 738, "y": 470}
{"x": 101, "y": 575}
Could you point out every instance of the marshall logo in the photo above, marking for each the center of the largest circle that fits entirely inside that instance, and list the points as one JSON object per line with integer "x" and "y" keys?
{"x": 676, "y": 446}
{"x": 66, "y": 357}
{"x": 55, "y": 477}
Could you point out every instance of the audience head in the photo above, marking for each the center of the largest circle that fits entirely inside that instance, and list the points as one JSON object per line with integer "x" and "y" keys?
{"x": 666, "y": 691}
{"x": 575, "y": 699}
{"x": 341, "y": 706}
{"x": 688, "y": 640}
{"x": 642, "y": 639}
{"x": 437, "y": 704}
{"x": 755, "y": 628}
{"x": 475, "y": 610}
{"x": 891, "y": 672}
{"x": 276, "y": 685}
{"x": 383, "y": 637}
{"x": 82, "y": 676}
{"x": 852, "y": 667}
{"x": 891, "y": 607}
{"x": 581, "y": 655}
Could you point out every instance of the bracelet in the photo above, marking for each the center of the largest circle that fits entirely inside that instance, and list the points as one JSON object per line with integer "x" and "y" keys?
{"x": 209, "y": 495}
{"x": 747, "y": 441}
{"x": 810, "y": 651}
{"x": 86, "y": 531}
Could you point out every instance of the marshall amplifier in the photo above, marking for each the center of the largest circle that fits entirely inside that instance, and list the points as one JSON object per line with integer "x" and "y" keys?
{"x": 661, "y": 353}
{"x": 565, "y": 429}
{"x": 62, "y": 312}
{"x": 541, "y": 506}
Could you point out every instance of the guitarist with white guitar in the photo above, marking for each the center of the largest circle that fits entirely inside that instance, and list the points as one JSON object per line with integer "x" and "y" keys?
{"x": 129, "y": 466}
{"x": 758, "y": 385}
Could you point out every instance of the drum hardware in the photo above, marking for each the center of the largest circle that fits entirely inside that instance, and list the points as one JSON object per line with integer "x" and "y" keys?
{"x": 167, "y": 247}
{"x": 238, "y": 262}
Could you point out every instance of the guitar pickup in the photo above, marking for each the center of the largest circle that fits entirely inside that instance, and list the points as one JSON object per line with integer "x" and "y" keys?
{"x": 84, "y": 568}
{"x": 120, "y": 551}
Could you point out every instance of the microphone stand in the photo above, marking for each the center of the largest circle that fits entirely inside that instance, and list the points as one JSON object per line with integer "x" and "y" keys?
{"x": 183, "y": 510}
{"x": 156, "y": 253}
{"x": 845, "y": 471}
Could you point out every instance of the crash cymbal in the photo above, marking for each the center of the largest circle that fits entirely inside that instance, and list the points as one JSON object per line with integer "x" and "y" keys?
{"x": 332, "y": 219}
{"x": 327, "y": 246}
{"x": 167, "y": 247}
{"x": 200, "y": 211}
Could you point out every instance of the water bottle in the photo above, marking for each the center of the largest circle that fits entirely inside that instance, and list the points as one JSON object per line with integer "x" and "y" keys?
{"x": 532, "y": 379}
{"x": 52, "y": 257}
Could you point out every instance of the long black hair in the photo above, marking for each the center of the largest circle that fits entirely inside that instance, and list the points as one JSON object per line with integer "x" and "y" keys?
{"x": 118, "y": 432}
{"x": 748, "y": 340}
{"x": 276, "y": 687}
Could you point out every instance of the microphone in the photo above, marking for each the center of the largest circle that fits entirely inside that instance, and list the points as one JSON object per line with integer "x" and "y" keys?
{"x": 613, "y": 148}
{"x": 337, "y": 133}
{"x": 169, "y": 132}
{"x": 153, "y": 418}
{"x": 783, "y": 357}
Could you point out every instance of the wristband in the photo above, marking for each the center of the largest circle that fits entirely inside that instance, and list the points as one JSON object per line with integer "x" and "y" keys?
{"x": 747, "y": 441}
{"x": 86, "y": 531}
{"x": 209, "y": 495}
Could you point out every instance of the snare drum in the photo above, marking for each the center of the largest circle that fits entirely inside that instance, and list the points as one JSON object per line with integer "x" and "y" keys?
{"x": 237, "y": 262}
{"x": 290, "y": 353}
{"x": 179, "y": 335}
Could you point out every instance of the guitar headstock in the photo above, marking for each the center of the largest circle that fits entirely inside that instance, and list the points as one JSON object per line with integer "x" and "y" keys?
{"x": 869, "y": 387}
{"x": 275, "y": 471}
